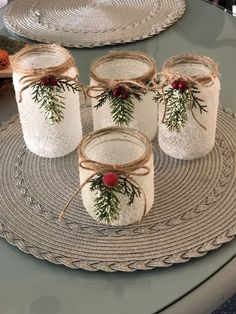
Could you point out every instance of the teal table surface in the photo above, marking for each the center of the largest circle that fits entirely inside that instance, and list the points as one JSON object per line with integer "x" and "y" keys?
{"x": 31, "y": 286}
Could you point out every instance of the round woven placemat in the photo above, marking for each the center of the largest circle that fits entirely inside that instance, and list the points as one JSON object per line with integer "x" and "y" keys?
{"x": 77, "y": 23}
{"x": 193, "y": 213}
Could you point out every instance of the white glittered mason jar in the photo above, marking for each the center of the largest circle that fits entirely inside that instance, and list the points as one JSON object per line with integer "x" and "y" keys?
{"x": 46, "y": 87}
{"x": 121, "y": 92}
{"x": 188, "y": 110}
{"x": 116, "y": 175}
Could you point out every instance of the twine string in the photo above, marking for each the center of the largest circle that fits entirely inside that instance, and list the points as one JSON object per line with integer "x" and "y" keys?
{"x": 126, "y": 84}
{"x": 62, "y": 213}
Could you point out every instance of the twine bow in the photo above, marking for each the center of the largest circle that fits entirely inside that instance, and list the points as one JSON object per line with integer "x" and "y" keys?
{"x": 130, "y": 170}
{"x": 126, "y": 84}
{"x": 204, "y": 80}
{"x": 29, "y": 80}
{"x": 30, "y": 76}
{"x": 103, "y": 84}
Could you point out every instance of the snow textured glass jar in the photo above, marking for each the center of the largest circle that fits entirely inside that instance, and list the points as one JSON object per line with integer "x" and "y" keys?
{"x": 46, "y": 87}
{"x": 117, "y": 175}
{"x": 189, "y": 100}
{"x": 121, "y": 89}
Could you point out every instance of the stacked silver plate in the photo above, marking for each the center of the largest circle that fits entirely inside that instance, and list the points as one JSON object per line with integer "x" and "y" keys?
{"x": 90, "y": 23}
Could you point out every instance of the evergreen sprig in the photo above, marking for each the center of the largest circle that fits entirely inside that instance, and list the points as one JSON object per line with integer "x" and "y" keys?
{"x": 177, "y": 105}
{"x": 176, "y": 110}
{"x": 122, "y": 109}
{"x": 107, "y": 204}
{"x": 196, "y": 102}
{"x": 50, "y": 98}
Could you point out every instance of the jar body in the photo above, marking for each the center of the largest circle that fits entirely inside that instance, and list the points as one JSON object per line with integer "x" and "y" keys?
{"x": 120, "y": 151}
{"x": 41, "y": 137}
{"x": 145, "y": 112}
{"x": 196, "y": 138}
{"x": 145, "y": 115}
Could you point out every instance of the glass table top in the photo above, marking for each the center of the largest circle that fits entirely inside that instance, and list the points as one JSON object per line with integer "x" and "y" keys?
{"x": 31, "y": 286}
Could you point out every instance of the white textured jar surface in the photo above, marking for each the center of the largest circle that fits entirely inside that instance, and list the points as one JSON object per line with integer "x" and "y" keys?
{"x": 145, "y": 116}
{"x": 40, "y": 137}
{"x": 193, "y": 141}
{"x": 119, "y": 148}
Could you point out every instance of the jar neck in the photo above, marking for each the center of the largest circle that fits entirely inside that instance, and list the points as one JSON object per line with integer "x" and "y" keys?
{"x": 63, "y": 66}
{"x": 169, "y": 69}
{"x": 136, "y": 56}
{"x": 126, "y": 141}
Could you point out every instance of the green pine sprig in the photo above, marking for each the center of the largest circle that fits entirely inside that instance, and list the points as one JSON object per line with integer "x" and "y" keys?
{"x": 176, "y": 110}
{"x": 177, "y": 105}
{"x": 103, "y": 97}
{"x": 158, "y": 98}
{"x": 107, "y": 204}
{"x": 122, "y": 109}
{"x": 50, "y": 98}
{"x": 196, "y": 102}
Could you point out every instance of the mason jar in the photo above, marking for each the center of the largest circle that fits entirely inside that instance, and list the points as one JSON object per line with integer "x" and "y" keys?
{"x": 46, "y": 88}
{"x": 116, "y": 175}
{"x": 121, "y": 91}
{"x": 188, "y": 106}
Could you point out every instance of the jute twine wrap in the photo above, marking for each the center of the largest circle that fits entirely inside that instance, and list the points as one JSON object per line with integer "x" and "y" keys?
{"x": 31, "y": 76}
{"x": 203, "y": 79}
{"x": 170, "y": 75}
{"x": 139, "y": 81}
{"x": 129, "y": 170}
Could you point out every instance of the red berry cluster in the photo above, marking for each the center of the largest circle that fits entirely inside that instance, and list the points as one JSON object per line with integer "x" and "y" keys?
{"x": 110, "y": 179}
{"x": 49, "y": 80}
{"x": 180, "y": 85}
{"x": 120, "y": 92}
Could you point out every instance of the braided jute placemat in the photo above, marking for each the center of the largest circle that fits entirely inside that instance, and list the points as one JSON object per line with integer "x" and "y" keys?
{"x": 91, "y": 23}
{"x": 194, "y": 210}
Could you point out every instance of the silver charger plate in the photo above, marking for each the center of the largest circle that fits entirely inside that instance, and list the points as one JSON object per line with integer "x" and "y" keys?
{"x": 91, "y": 23}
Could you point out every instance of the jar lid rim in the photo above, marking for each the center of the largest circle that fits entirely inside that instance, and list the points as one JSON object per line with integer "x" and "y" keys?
{"x": 29, "y": 50}
{"x": 135, "y": 55}
{"x": 204, "y": 79}
{"x": 141, "y": 161}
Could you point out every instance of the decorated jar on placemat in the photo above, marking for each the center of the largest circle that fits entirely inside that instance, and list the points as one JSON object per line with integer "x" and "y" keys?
{"x": 116, "y": 175}
{"x": 121, "y": 90}
{"x": 188, "y": 98}
{"x": 47, "y": 94}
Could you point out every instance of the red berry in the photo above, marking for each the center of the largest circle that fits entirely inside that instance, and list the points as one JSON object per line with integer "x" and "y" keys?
{"x": 116, "y": 91}
{"x": 45, "y": 81}
{"x": 183, "y": 86}
{"x": 110, "y": 179}
{"x": 50, "y": 80}
{"x": 125, "y": 94}
{"x": 175, "y": 84}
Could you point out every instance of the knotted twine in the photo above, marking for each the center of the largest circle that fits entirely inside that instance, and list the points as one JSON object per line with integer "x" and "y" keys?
{"x": 205, "y": 80}
{"x": 132, "y": 169}
{"x": 31, "y": 76}
{"x": 141, "y": 82}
